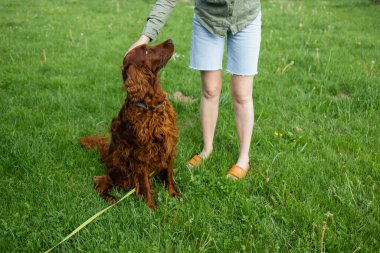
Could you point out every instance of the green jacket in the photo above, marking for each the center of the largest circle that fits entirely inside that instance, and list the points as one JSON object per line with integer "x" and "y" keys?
{"x": 217, "y": 16}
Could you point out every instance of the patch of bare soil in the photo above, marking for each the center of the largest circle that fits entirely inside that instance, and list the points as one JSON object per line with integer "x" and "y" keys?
{"x": 179, "y": 97}
{"x": 340, "y": 96}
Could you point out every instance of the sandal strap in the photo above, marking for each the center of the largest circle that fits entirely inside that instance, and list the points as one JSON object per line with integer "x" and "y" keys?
{"x": 195, "y": 161}
{"x": 238, "y": 171}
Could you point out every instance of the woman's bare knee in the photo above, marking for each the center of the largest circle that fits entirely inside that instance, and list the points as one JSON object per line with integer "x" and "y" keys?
{"x": 241, "y": 89}
{"x": 211, "y": 93}
{"x": 211, "y": 84}
{"x": 242, "y": 98}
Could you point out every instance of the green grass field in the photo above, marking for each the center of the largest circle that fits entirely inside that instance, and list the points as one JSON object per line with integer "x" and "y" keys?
{"x": 315, "y": 153}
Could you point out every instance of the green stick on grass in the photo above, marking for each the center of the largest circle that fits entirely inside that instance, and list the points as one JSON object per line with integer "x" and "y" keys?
{"x": 91, "y": 219}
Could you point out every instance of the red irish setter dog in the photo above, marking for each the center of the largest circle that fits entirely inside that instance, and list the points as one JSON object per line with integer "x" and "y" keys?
{"x": 144, "y": 134}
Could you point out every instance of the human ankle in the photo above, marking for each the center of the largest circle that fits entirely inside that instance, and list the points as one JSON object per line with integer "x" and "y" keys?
{"x": 205, "y": 153}
{"x": 243, "y": 162}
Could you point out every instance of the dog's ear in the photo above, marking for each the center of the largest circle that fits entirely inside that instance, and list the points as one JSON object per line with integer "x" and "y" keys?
{"x": 124, "y": 71}
{"x": 135, "y": 82}
{"x": 132, "y": 74}
{"x": 128, "y": 61}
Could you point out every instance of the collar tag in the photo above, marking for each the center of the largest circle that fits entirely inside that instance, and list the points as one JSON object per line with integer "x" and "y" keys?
{"x": 144, "y": 106}
{"x": 141, "y": 105}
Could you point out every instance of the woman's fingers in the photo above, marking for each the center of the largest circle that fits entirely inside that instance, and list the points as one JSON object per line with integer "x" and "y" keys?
{"x": 142, "y": 40}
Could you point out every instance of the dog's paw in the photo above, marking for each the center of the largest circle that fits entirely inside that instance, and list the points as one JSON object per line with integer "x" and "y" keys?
{"x": 111, "y": 200}
{"x": 173, "y": 192}
{"x": 152, "y": 206}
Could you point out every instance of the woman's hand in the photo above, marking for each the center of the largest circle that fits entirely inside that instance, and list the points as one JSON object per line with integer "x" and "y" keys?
{"x": 142, "y": 40}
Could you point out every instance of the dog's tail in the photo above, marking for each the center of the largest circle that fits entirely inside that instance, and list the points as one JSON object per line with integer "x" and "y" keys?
{"x": 100, "y": 143}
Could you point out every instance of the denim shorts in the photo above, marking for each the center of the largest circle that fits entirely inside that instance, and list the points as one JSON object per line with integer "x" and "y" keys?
{"x": 242, "y": 49}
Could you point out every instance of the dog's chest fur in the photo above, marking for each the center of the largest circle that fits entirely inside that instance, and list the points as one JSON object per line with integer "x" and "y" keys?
{"x": 148, "y": 133}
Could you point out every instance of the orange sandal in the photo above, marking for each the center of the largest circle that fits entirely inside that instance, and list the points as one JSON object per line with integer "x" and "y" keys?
{"x": 194, "y": 162}
{"x": 237, "y": 172}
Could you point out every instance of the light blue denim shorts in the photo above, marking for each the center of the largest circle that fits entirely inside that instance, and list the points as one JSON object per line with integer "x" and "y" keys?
{"x": 242, "y": 49}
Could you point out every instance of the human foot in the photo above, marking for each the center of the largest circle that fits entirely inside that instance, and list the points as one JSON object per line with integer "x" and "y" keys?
{"x": 196, "y": 160}
{"x": 237, "y": 172}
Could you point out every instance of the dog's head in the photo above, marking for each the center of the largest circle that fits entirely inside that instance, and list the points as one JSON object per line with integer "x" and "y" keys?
{"x": 141, "y": 66}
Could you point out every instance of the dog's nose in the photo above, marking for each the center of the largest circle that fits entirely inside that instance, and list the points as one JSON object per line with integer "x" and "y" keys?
{"x": 169, "y": 42}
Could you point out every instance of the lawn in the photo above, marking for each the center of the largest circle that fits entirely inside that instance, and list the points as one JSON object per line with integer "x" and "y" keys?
{"x": 315, "y": 156}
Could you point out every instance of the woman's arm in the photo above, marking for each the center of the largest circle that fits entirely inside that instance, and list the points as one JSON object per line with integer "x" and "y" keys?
{"x": 155, "y": 21}
{"x": 158, "y": 17}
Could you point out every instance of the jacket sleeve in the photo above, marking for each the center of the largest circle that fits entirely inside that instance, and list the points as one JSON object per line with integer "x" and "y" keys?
{"x": 157, "y": 17}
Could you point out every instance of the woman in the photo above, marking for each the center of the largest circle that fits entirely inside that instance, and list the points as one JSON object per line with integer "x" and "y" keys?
{"x": 215, "y": 21}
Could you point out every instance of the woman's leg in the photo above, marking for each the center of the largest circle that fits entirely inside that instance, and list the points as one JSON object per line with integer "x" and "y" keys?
{"x": 241, "y": 89}
{"x": 206, "y": 55}
{"x": 243, "y": 55}
{"x": 211, "y": 88}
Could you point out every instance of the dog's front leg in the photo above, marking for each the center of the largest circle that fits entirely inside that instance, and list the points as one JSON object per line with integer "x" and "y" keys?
{"x": 102, "y": 185}
{"x": 137, "y": 185}
{"x": 145, "y": 189}
{"x": 167, "y": 175}
{"x": 172, "y": 189}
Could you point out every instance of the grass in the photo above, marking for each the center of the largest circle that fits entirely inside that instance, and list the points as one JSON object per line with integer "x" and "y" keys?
{"x": 315, "y": 152}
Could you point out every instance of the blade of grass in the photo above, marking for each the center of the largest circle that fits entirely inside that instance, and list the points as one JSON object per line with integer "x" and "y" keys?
{"x": 84, "y": 224}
